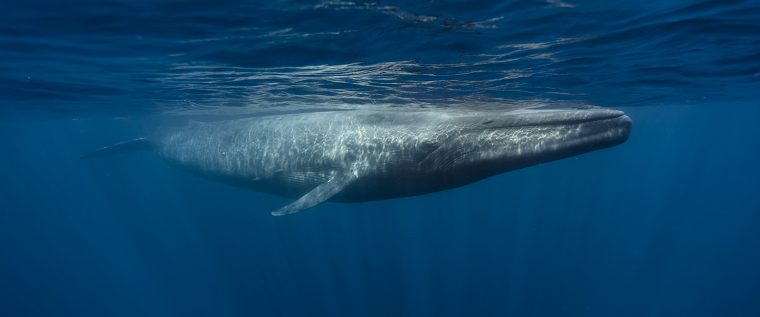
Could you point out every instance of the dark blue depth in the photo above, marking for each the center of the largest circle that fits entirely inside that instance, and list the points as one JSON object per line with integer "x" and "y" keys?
{"x": 663, "y": 225}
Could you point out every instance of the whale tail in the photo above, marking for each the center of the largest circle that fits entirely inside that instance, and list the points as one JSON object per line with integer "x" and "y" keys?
{"x": 139, "y": 144}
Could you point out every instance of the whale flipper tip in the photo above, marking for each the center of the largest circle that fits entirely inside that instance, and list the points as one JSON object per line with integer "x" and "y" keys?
{"x": 318, "y": 195}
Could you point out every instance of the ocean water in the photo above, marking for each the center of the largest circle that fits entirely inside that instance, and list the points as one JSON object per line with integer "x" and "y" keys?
{"x": 665, "y": 224}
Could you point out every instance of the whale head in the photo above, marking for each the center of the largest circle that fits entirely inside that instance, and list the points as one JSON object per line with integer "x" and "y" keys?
{"x": 491, "y": 143}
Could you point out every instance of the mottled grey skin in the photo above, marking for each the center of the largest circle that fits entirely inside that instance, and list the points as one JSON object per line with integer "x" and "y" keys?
{"x": 354, "y": 156}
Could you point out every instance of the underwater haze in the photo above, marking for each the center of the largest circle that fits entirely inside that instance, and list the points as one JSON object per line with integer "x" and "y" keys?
{"x": 665, "y": 224}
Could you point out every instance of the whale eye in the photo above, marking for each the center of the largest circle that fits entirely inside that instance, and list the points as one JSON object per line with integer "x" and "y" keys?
{"x": 488, "y": 122}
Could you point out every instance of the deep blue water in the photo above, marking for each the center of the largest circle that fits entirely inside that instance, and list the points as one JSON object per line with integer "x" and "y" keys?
{"x": 665, "y": 224}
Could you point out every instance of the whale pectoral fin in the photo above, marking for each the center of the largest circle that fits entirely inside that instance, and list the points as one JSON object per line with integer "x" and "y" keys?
{"x": 318, "y": 195}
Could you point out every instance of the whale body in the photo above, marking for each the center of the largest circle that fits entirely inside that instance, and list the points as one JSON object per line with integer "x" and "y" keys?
{"x": 361, "y": 155}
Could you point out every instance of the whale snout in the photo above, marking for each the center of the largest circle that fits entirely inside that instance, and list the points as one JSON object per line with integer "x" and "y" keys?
{"x": 602, "y": 127}
{"x": 622, "y": 127}
{"x": 597, "y": 130}
{"x": 611, "y": 130}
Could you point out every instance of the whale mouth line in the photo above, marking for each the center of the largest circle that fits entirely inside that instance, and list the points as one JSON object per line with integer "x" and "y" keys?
{"x": 561, "y": 118}
{"x": 584, "y": 120}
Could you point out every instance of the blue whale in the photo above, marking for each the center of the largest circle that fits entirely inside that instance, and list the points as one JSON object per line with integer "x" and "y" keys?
{"x": 362, "y": 155}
